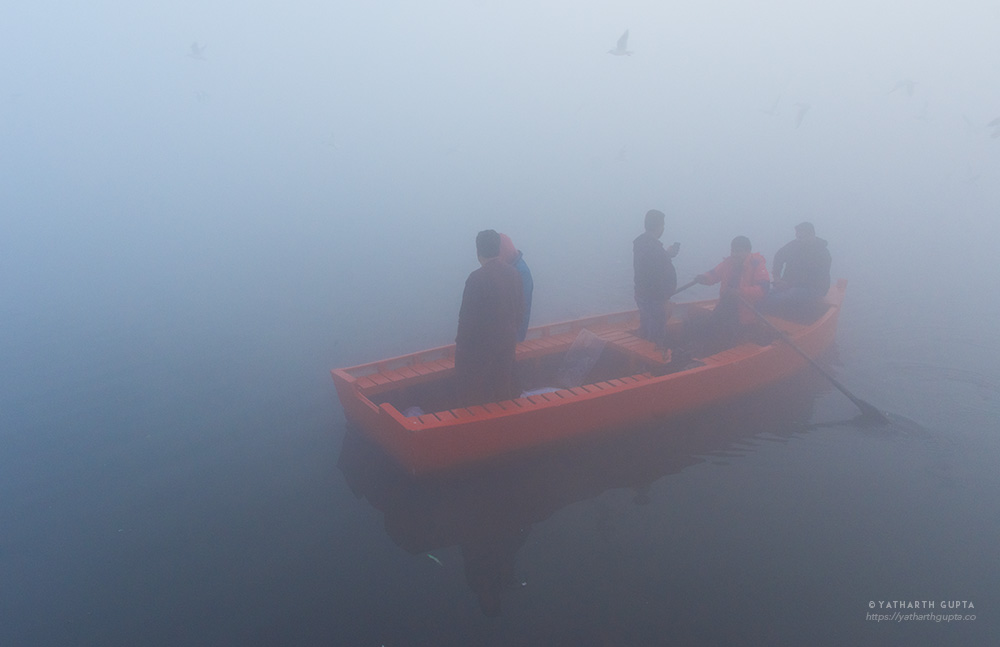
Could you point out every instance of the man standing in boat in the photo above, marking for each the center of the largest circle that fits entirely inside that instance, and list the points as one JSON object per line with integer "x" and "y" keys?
{"x": 655, "y": 278}
{"x": 801, "y": 276}
{"x": 744, "y": 278}
{"x": 488, "y": 321}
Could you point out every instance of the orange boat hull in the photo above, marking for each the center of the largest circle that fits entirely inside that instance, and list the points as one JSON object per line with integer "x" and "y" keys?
{"x": 455, "y": 437}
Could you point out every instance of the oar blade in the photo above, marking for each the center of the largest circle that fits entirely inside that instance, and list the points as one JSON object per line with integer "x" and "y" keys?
{"x": 870, "y": 415}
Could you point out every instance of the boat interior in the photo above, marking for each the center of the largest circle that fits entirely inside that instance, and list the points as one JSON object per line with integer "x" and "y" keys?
{"x": 554, "y": 357}
{"x": 548, "y": 364}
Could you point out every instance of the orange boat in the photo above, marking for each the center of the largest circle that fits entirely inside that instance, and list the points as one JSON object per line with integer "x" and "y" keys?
{"x": 406, "y": 403}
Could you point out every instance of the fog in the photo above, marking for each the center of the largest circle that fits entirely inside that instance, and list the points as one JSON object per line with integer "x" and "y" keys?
{"x": 165, "y": 153}
{"x": 255, "y": 194}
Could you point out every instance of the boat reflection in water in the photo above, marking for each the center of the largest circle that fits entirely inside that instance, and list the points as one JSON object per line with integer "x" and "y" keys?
{"x": 488, "y": 511}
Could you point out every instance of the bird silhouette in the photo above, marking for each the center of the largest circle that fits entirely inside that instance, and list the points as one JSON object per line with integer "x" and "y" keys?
{"x": 197, "y": 51}
{"x": 995, "y": 125}
{"x": 905, "y": 85}
{"x": 621, "y": 49}
{"x": 801, "y": 114}
{"x": 773, "y": 110}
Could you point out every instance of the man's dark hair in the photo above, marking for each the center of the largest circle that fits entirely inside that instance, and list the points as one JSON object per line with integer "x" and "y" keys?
{"x": 806, "y": 227}
{"x": 741, "y": 244}
{"x": 654, "y": 219}
{"x": 488, "y": 243}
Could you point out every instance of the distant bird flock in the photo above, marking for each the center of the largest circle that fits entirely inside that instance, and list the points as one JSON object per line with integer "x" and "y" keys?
{"x": 905, "y": 87}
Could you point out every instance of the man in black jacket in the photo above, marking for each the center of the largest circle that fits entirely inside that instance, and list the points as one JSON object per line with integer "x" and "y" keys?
{"x": 801, "y": 276}
{"x": 488, "y": 320}
{"x": 655, "y": 278}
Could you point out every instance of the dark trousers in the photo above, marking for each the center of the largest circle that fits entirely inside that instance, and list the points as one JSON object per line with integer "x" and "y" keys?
{"x": 715, "y": 331}
{"x": 801, "y": 305}
{"x": 652, "y": 319}
{"x": 487, "y": 375}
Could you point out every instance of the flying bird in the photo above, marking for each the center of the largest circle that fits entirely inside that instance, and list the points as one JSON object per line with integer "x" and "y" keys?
{"x": 621, "y": 49}
{"x": 773, "y": 110}
{"x": 197, "y": 51}
{"x": 906, "y": 85}
{"x": 801, "y": 114}
{"x": 995, "y": 125}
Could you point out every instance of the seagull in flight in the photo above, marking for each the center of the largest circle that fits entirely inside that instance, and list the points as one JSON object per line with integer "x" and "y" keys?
{"x": 801, "y": 114}
{"x": 197, "y": 51}
{"x": 995, "y": 125}
{"x": 621, "y": 49}
{"x": 906, "y": 85}
{"x": 773, "y": 110}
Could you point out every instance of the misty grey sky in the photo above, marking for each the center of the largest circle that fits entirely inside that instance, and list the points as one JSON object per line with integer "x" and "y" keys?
{"x": 386, "y": 134}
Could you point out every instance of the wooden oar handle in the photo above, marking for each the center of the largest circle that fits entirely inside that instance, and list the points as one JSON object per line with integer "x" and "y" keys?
{"x": 684, "y": 287}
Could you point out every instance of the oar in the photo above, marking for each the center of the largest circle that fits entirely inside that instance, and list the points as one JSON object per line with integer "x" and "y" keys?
{"x": 868, "y": 411}
{"x": 683, "y": 287}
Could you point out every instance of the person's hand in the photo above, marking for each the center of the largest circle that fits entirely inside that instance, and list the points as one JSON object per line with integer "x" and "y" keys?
{"x": 673, "y": 249}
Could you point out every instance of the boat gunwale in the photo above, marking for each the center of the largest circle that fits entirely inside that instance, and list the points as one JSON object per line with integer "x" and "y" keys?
{"x": 446, "y": 353}
{"x": 567, "y": 396}
{"x": 390, "y": 426}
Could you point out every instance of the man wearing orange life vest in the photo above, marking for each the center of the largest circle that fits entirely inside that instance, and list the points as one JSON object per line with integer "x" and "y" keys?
{"x": 742, "y": 274}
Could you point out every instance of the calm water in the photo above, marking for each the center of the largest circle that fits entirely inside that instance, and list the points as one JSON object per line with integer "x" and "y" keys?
{"x": 178, "y": 472}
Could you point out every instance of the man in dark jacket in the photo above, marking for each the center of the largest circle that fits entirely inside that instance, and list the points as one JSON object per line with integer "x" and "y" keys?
{"x": 655, "y": 278}
{"x": 488, "y": 321}
{"x": 801, "y": 276}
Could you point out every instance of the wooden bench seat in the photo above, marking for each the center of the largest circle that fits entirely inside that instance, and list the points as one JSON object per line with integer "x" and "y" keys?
{"x": 636, "y": 347}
